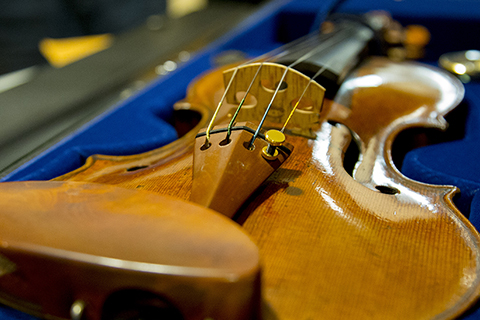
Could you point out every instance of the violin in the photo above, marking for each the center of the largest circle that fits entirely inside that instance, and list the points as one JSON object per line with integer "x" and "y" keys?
{"x": 253, "y": 214}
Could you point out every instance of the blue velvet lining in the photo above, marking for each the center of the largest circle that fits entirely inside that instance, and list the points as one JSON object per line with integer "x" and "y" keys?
{"x": 140, "y": 123}
{"x": 7, "y": 313}
{"x": 453, "y": 163}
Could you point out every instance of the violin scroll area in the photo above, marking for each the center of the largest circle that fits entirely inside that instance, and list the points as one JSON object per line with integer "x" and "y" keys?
{"x": 226, "y": 173}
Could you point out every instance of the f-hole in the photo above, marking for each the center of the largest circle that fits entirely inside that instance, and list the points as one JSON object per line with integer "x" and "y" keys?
{"x": 136, "y": 168}
{"x": 387, "y": 190}
{"x": 352, "y": 154}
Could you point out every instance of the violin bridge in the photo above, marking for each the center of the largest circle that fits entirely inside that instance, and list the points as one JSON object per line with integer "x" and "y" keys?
{"x": 296, "y": 91}
{"x": 225, "y": 173}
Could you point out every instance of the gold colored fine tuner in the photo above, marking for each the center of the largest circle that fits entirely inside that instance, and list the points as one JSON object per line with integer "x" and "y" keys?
{"x": 275, "y": 139}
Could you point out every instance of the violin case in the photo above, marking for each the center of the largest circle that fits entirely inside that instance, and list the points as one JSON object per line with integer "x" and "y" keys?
{"x": 141, "y": 122}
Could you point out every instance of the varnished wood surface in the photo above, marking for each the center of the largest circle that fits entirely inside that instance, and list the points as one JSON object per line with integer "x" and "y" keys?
{"x": 72, "y": 241}
{"x": 357, "y": 253}
{"x": 333, "y": 246}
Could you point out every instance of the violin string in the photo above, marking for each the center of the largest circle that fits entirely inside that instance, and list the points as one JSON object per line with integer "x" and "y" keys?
{"x": 324, "y": 45}
{"x": 319, "y": 72}
{"x": 240, "y": 105}
{"x": 300, "y": 44}
{"x": 272, "y": 54}
{"x": 304, "y": 43}
{"x": 210, "y": 125}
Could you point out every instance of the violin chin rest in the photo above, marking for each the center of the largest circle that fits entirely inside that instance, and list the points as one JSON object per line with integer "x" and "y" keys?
{"x": 64, "y": 242}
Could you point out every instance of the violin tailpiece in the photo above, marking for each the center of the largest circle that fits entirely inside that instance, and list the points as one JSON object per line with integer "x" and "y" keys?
{"x": 226, "y": 173}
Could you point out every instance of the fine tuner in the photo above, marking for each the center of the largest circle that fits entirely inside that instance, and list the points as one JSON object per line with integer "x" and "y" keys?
{"x": 275, "y": 139}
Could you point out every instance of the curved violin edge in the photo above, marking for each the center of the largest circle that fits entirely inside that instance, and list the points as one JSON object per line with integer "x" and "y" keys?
{"x": 472, "y": 236}
{"x": 392, "y": 97}
{"x": 88, "y": 241}
{"x": 141, "y": 160}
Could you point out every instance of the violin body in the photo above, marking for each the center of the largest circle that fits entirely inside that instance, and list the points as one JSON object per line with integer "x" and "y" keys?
{"x": 333, "y": 243}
